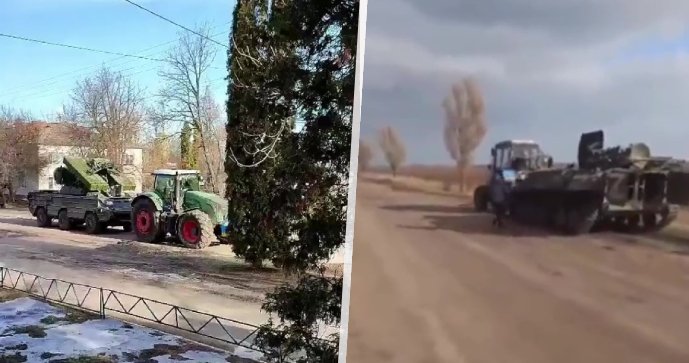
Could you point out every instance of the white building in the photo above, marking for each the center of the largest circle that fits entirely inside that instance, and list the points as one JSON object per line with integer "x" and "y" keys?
{"x": 56, "y": 142}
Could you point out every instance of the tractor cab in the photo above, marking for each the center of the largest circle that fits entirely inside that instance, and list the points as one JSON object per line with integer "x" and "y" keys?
{"x": 518, "y": 156}
{"x": 510, "y": 161}
{"x": 171, "y": 186}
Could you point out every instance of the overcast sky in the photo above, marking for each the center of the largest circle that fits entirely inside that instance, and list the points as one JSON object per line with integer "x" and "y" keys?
{"x": 549, "y": 70}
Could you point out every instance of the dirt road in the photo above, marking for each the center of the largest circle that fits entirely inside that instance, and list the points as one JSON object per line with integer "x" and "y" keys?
{"x": 434, "y": 282}
{"x": 211, "y": 280}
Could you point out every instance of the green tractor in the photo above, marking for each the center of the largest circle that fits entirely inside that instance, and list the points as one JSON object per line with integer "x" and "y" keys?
{"x": 177, "y": 206}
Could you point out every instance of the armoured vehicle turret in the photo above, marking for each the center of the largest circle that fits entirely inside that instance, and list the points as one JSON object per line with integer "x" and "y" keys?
{"x": 623, "y": 186}
{"x": 93, "y": 192}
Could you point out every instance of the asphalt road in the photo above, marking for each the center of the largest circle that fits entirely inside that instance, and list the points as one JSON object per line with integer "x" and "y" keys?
{"x": 434, "y": 282}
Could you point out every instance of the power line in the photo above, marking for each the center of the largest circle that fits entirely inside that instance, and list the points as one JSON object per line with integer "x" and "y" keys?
{"x": 174, "y": 23}
{"x": 55, "y": 79}
{"x": 77, "y": 47}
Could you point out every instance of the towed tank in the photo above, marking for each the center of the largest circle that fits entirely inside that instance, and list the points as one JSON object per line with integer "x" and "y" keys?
{"x": 625, "y": 187}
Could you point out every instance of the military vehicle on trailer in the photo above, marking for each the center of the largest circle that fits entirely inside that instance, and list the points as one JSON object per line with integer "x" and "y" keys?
{"x": 94, "y": 193}
{"x": 177, "y": 206}
{"x": 622, "y": 186}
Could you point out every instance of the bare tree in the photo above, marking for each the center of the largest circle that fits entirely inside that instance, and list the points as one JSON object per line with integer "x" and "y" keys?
{"x": 111, "y": 106}
{"x": 157, "y": 155}
{"x": 393, "y": 148}
{"x": 213, "y": 122}
{"x": 366, "y": 155}
{"x": 80, "y": 133}
{"x": 19, "y": 148}
{"x": 465, "y": 124}
{"x": 187, "y": 99}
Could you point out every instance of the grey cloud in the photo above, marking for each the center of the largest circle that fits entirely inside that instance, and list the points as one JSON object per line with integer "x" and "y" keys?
{"x": 573, "y": 20}
{"x": 554, "y": 116}
{"x": 541, "y": 77}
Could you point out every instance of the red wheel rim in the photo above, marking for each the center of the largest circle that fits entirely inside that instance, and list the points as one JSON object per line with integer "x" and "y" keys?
{"x": 144, "y": 220}
{"x": 190, "y": 231}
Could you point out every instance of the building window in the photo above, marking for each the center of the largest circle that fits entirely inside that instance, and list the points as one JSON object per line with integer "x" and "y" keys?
{"x": 128, "y": 159}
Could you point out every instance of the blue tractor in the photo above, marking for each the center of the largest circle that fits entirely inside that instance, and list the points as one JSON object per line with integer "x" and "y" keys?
{"x": 510, "y": 161}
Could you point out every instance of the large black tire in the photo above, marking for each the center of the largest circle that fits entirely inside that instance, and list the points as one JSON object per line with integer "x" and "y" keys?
{"x": 63, "y": 221}
{"x": 581, "y": 220}
{"x": 146, "y": 221}
{"x": 92, "y": 225}
{"x": 42, "y": 219}
{"x": 481, "y": 198}
{"x": 195, "y": 230}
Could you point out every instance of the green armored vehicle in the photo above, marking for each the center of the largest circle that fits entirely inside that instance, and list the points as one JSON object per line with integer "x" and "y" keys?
{"x": 94, "y": 193}
{"x": 177, "y": 206}
{"x": 623, "y": 187}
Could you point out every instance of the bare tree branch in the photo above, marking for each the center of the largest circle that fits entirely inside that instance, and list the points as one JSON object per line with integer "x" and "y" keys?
{"x": 186, "y": 97}
{"x": 393, "y": 148}
{"x": 19, "y": 147}
{"x": 465, "y": 124}
{"x": 111, "y": 107}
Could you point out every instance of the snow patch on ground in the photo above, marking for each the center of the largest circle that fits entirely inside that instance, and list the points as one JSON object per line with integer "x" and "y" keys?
{"x": 23, "y": 312}
{"x": 105, "y": 337}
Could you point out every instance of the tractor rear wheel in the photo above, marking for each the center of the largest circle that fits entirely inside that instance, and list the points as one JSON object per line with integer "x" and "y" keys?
{"x": 195, "y": 230}
{"x": 146, "y": 222}
{"x": 481, "y": 199}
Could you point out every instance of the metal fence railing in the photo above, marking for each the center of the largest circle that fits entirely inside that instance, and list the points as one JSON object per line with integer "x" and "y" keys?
{"x": 100, "y": 301}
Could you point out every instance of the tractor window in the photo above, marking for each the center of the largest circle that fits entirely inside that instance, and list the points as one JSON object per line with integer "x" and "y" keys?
{"x": 165, "y": 186}
{"x": 190, "y": 182}
{"x": 507, "y": 159}
{"x": 503, "y": 158}
{"x": 498, "y": 158}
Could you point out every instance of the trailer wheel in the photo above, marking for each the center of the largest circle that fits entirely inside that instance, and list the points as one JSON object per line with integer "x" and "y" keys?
{"x": 92, "y": 226}
{"x": 42, "y": 218}
{"x": 195, "y": 230}
{"x": 63, "y": 221}
{"x": 146, "y": 222}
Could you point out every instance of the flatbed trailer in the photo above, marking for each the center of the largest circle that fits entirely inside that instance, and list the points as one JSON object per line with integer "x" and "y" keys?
{"x": 95, "y": 211}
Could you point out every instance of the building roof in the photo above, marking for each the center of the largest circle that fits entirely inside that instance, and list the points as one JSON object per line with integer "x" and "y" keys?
{"x": 65, "y": 134}
{"x": 61, "y": 134}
